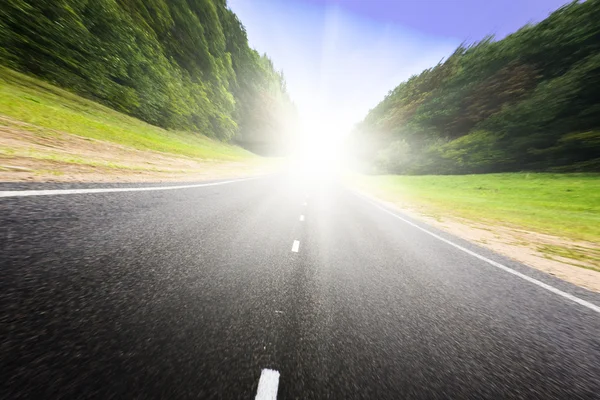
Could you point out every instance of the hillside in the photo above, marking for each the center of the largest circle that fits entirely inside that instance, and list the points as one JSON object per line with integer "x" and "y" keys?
{"x": 180, "y": 65}
{"x": 529, "y": 102}
{"x": 47, "y": 133}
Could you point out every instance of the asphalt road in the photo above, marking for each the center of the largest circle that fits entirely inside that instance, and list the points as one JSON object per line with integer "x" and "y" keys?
{"x": 191, "y": 293}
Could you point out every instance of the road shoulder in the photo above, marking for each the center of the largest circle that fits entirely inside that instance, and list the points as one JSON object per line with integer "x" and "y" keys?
{"x": 517, "y": 244}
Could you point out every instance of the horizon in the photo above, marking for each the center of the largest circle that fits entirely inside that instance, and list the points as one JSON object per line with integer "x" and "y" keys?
{"x": 344, "y": 57}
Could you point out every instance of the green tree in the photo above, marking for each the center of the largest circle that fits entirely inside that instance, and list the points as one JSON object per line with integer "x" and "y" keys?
{"x": 180, "y": 64}
{"x": 527, "y": 102}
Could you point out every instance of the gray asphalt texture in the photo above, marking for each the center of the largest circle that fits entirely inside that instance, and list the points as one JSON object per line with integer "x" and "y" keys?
{"x": 189, "y": 294}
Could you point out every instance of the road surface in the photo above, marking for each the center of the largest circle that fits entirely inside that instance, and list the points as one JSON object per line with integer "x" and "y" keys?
{"x": 272, "y": 285}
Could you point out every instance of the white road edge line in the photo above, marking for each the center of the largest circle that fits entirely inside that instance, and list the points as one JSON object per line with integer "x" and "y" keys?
{"x": 267, "y": 385}
{"x": 296, "y": 246}
{"x": 24, "y": 193}
{"x": 301, "y": 218}
{"x": 541, "y": 284}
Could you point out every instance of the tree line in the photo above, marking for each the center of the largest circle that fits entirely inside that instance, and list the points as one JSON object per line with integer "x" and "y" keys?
{"x": 177, "y": 64}
{"x": 530, "y": 101}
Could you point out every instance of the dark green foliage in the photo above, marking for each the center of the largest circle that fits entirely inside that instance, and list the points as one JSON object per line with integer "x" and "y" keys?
{"x": 528, "y": 102}
{"x": 182, "y": 64}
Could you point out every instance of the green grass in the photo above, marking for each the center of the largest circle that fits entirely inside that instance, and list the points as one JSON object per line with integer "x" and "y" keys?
{"x": 35, "y": 102}
{"x": 564, "y": 205}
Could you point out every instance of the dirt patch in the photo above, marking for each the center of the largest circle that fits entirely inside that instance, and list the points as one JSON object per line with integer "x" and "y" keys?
{"x": 31, "y": 153}
{"x": 23, "y": 169}
{"x": 519, "y": 244}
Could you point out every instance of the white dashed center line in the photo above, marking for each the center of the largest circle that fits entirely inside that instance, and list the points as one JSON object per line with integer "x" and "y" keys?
{"x": 301, "y": 218}
{"x": 295, "y": 246}
{"x": 267, "y": 385}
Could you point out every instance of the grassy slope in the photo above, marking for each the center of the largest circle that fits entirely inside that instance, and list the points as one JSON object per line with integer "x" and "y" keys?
{"x": 559, "y": 204}
{"x": 564, "y": 205}
{"x": 30, "y": 100}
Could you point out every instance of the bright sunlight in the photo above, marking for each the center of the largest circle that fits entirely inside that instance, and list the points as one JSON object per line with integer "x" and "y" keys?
{"x": 317, "y": 150}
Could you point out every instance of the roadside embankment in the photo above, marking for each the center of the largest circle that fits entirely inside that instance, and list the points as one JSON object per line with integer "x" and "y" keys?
{"x": 548, "y": 221}
{"x": 49, "y": 134}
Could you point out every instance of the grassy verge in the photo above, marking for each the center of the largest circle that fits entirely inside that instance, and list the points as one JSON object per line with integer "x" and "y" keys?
{"x": 561, "y": 205}
{"x": 43, "y": 105}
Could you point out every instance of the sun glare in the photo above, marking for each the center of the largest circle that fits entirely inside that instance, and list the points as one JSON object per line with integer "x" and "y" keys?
{"x": 317, "y": 151}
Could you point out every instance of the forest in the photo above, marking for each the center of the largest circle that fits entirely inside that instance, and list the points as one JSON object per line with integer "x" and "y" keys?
{"x": 176, "y": 64}
{"x": 528, "y": 102}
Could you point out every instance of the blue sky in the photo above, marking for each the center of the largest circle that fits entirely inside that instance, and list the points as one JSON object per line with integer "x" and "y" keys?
{"x": 340, "y": 57}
